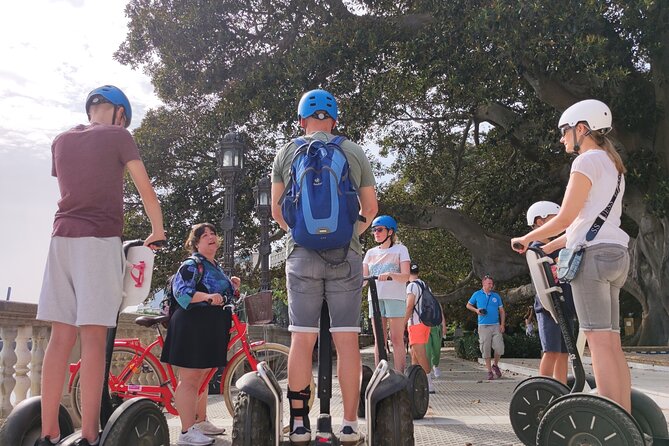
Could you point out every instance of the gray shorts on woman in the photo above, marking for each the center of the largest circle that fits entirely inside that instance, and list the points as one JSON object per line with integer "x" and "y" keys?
{"x": 310, "y": 279}
{"x": 597, "y": 285}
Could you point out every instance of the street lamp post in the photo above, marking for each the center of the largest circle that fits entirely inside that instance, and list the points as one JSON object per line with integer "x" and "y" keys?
{"x": 230, "y": 165}
{"x": 262, "y": 193}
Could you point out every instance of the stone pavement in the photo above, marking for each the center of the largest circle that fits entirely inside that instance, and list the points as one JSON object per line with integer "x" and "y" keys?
{"x": 466, "y": 410}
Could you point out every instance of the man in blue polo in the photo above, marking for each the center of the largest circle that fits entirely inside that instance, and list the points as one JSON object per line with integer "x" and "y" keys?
{"x": 491, "y": 317}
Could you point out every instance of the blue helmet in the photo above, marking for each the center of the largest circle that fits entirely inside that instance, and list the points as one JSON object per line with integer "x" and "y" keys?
{"x": 112, "y": 95}
{"x": 386, "y": 221}
{"x": 317, "y": 100}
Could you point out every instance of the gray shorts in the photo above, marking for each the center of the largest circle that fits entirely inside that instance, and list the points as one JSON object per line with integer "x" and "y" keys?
{"x": 490, "y": 338}
{"x": 310, "y": 280}
{"x": 83, "y": 281}
{"x": 597, "y": 285}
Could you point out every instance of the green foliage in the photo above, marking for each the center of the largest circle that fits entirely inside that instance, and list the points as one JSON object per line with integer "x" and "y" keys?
{"x": 467, "y": 347}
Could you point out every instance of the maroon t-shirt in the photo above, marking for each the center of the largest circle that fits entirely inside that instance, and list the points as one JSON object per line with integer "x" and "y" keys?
{"x": 89, "y": 162}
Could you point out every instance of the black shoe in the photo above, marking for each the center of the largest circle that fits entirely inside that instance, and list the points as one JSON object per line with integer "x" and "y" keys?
{"x": 46, "y": 441}
{"x": 83, "y": 442}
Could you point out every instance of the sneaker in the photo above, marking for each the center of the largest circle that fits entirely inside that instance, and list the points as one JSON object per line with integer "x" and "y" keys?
{"x": 435, "y": 371}
{"x": 46, "y": 441}
{"x": 349, "y": 437}
{"x": 491, "y": 375}
{"x": 209, "y": 428}
{"x": 430, "y": 385}
{"x": 300, "y": 436}
{"x": 193, "y": 437}
{"x": 497, "y": 371}
{"x": 84, "y": 442}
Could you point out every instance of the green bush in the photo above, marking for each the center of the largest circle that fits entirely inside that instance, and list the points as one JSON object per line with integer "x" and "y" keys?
{"x": 518, "y": 345}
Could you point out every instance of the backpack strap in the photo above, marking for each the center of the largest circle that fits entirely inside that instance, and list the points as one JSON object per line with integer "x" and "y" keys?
{"x": 200, "y": 268}
{"x": 422, "y": 290}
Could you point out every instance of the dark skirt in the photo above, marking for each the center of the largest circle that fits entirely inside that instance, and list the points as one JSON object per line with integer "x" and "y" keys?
{"x": 197, "y": 338}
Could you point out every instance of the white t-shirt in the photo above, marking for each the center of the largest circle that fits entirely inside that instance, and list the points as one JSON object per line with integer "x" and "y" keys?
{"x": 388, "y": 260}
{"x": 601, "y": 171}
{"x": 416, "y": 290}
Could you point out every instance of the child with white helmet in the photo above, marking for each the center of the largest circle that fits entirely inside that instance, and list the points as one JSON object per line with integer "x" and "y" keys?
{"x": 590, "y": 214}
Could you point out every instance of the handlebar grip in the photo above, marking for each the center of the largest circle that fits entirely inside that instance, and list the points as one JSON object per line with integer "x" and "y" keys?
{"x": 518, "y": 245}
{"x": 159, "y": 243}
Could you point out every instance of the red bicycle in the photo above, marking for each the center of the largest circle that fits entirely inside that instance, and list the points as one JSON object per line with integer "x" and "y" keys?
{"x": 137, "y": 372}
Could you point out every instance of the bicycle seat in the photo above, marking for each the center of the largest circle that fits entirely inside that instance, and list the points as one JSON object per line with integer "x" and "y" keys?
{"x": 150, "y": 321}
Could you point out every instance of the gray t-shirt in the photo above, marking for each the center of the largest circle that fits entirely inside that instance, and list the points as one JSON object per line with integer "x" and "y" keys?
{"x": 89, "y": 162}
{"x": 360, "y": 170}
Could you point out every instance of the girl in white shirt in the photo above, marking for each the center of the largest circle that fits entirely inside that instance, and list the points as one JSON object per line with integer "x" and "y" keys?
{"x": 390, "y": 262}
{"x": 603, "y": 271}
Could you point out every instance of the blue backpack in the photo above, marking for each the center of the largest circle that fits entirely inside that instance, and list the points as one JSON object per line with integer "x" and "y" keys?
{"x": 320, "y": 203}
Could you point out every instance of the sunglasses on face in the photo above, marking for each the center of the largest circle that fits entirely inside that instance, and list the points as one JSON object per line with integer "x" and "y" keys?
{"x": 378, "y": 229}
{"x": 564, "y": 129}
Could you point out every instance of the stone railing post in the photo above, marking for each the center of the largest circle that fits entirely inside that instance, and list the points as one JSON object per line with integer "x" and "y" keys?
{"x": 7, "y": 362}
{"x": 22, "y": 360}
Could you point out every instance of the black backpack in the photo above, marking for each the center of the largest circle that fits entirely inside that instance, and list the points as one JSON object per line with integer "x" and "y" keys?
{"x": 169, "y": 303}
{"x": 430, "y": 310}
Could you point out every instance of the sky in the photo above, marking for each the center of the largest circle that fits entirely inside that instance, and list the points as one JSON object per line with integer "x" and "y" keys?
{"x": 53, "y": 53}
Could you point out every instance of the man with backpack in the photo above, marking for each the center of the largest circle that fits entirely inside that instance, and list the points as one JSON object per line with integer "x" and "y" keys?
{"x": 419, "y": 333}
{"x": 312, "y": 187}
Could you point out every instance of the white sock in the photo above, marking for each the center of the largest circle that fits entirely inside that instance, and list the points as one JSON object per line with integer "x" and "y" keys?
{"x": 352, "y": 424}
{"x": 297, "y": 423}
{"x": 55, "y": 440}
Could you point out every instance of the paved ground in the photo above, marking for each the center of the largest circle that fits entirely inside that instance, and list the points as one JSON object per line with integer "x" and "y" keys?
{"x": 467, "y": 409}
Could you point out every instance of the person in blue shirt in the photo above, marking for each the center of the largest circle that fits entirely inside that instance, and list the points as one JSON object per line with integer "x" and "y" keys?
{"x": 491, "y": 317}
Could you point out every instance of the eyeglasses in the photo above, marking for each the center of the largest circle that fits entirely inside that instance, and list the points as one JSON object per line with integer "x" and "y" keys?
{"x": 379, "y": 229}
{"x": 564, "y": 129}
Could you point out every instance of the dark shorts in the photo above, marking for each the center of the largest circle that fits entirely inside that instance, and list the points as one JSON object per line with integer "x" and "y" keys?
{"x": 550, "y": 334}
{"x": 310, "y": 280}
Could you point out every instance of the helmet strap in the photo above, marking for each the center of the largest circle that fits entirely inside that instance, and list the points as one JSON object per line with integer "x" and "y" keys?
{"x": 114, "y": 115}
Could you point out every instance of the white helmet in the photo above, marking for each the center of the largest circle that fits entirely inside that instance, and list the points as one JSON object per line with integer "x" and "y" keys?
{"x": 541, "y": 209}
{"x": 595, "y": 113}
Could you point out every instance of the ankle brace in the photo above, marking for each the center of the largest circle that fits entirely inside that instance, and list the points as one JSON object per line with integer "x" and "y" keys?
{"x": 303, "y": 395}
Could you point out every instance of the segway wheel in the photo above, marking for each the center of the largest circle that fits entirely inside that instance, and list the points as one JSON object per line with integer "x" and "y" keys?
{"x": 649, "y": 415}
{"x": 23, "y": 426}
{"x": 251, "y": 425}
{"x": 418, "y": 390}
{"x": 136, "y": 422}
{"x": 587, "y": 419}
{"x": 528, "y": 404}
{"x": 364, "y": 382}
{"x": 393, "y": 425}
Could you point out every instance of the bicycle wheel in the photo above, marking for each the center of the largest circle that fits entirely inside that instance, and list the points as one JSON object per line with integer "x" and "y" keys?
{"x": 276, "y": 356}
{"x": 148, "y": 375}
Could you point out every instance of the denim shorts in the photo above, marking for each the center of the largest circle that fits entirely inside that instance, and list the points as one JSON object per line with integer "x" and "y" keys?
{"x": 310, "y": 280}
{"x": 550, "y": 334}
{"x": 597, "y": 285}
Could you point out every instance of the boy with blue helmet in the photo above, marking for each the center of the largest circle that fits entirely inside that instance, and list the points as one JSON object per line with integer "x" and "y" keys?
{"x": 310, "y": 277}
{"x": 83, "y": 281}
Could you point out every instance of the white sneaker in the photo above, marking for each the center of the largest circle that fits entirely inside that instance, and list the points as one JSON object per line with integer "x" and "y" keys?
{"x": 193, "y": 437}
{"x": 430, "y": 386}
{"x": 435, "y": 371}
{"x": 209, "y": 428}
{"x": 349, "y": 437}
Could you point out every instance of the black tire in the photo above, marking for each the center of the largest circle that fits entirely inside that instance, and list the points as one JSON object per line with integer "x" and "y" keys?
{"x": 393, "y": 425}
{"x": 137, "y": 422}
{"x": 587, "y": 419}
{"x": 364, "y": 382}
{"x": 649, "y": 415}
{"x": 528, "y": 404}
{"x": 251, "y": 424}
{"x": 418, "y": 390}
{"x": 23, "y": 426}
{"x": 276, "y": 356}
{"x": 149, "y": 374}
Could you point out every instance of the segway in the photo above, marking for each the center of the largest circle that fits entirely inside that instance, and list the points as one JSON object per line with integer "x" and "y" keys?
{"x": 136, "y": 422}
{"x": 546, "y": 412}
{"x": 417, "y": 384}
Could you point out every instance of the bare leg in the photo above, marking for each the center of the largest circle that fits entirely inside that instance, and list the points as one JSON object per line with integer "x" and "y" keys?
{"x": 57, "y": 353}
{"x": 419, "y": 356}
{"x": 348, "y": 371}
{"x": 610, "y": 366}
{"x": 93, "y": 341}
{"x": 202, "y": 398}
{"x": 560, "y": 369}
{"x": 299, "y": 363}
{"x": 185, "y": 397}
{"x": 397, "y": 338}
{"x": 488, "y": 364}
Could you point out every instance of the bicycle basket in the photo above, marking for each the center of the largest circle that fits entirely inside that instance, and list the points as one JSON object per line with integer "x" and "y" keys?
{"x": 259, "y": 308}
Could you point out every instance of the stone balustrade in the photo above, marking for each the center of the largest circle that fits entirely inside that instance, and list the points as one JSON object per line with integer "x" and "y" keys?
{"x": 24, "y": 341}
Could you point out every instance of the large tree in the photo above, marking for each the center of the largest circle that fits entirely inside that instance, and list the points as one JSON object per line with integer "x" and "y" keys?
{"x": 464, "y": 95}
